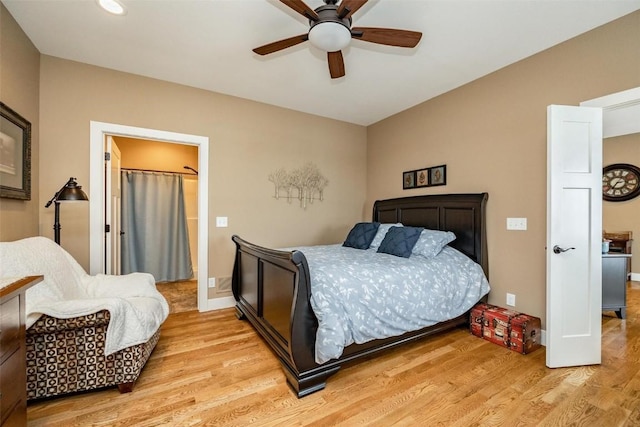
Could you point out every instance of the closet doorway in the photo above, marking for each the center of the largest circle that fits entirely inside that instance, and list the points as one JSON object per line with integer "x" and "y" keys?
{"x": 157, "y": 184}
{"x": 102, "y": 136}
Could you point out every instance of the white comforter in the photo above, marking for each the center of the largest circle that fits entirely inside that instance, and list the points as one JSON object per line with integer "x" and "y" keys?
{"x": 136, "y": 307}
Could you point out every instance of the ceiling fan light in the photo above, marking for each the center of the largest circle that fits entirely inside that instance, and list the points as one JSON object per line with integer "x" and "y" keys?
{"x": 330, "y": 36}
{"x": 112, "y": 6}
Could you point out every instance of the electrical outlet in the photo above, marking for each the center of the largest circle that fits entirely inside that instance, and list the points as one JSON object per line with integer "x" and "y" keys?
{"x": 212, "y": 282}
{"x": 221, "y": 221}
{"x": 516, "y": 223}
{"x": 511, "y": 300}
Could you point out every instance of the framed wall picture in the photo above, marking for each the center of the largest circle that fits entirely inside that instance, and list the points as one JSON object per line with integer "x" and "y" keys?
{"x": 408, "y": 180}
{"x": 15, "y": 155}
{"x": 427, "y": 177}
{"x": 438, "y": 175}
{"x": 422, "y": 178}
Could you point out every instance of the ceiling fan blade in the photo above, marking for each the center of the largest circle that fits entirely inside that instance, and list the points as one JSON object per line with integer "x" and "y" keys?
{"x": 301, "y": 7}
{"x": 281, "y": 44}
{"x": 349, "y": 7}
{"x": 336, "y": 64}
{"x": 388, "y": 36}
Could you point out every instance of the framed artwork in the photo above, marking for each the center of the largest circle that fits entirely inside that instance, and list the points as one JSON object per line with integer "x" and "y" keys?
{"x": 427, "y": 177}
{"x": 422, "y": 178}
{"x": 438, "y": 175}
{"x": 408, "y": 180}
{"x": 15, "y": 155}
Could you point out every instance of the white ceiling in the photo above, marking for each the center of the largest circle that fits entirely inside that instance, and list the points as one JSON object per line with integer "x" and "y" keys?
{"x": 207, "y": 44}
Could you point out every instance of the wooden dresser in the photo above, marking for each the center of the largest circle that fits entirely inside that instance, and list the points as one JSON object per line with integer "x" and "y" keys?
{"x": 13, "y": 381}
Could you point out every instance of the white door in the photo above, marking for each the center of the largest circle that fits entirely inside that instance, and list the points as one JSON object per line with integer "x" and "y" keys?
{"x": 113, "y": 191}
{"x": 574, "y": 235}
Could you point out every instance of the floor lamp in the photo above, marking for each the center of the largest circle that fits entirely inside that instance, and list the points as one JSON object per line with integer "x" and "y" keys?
{"x": 70, "y": 192}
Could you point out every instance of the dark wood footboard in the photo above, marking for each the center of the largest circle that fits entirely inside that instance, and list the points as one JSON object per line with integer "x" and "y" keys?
{"x": 272, "y": 288}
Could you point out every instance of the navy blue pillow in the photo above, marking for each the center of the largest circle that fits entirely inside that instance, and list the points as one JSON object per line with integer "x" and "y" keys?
{"x": 399, "y": 241}
{"x": 361, "y": 235}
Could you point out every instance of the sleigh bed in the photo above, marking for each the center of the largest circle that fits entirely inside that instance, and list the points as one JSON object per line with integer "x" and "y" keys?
{"x": 272, "y": 287}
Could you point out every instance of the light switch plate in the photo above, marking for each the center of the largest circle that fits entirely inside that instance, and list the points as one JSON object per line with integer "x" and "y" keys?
{"x": 516, "y": 223}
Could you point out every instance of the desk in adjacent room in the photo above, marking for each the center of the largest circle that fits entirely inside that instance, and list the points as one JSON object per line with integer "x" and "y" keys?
{"x": 614, "y": 282}
{"x": 620, "y": 242}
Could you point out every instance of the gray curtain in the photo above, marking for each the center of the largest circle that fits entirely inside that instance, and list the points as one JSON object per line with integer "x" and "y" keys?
{"x": 156, "y": 239}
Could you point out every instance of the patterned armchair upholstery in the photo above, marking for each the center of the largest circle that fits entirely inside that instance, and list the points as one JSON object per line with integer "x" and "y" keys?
{"x": 67, "y": 355}
{"x": 83, "y": 331}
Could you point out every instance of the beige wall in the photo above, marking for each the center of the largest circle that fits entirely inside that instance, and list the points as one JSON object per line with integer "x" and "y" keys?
{"x": 19, "y": 89}
{"x": 248, "y": 140}
{"x": 491, "y": 134}
{"x": 623, "y": 216}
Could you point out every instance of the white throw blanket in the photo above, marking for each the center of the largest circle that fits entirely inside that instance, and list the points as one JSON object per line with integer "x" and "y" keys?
{"x": 136, "y": 307}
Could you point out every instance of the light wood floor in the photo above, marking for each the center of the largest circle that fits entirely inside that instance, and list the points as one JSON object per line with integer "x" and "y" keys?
{"x": 211, "y": 369}
{"x": 182, "y": 296}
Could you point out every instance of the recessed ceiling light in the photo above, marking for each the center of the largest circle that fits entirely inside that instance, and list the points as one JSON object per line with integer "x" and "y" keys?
{"x": 112, "y": 6}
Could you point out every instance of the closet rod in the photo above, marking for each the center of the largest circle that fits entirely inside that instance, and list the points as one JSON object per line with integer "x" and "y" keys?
{"x": 154, "y": 170}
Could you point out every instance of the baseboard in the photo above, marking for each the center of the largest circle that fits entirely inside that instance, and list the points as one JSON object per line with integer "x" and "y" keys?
{"x": 220, "y": 303}
{"x": 635, "y": 277}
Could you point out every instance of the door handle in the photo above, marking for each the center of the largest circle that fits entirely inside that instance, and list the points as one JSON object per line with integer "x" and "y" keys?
{"x": 558, "y": 250}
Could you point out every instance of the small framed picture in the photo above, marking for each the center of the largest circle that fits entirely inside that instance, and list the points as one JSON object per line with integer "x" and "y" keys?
{"x": 422, "y": 178}
{"x": 438, "y": 175}
{"x": 15, "y": 155}
{"x": 408, "y": 180}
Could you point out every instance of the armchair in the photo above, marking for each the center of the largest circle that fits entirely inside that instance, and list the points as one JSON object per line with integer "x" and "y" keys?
{"x": 83, "y": 332}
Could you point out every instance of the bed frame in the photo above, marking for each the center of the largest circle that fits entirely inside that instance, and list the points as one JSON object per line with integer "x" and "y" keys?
{"x": 272, "y": 288}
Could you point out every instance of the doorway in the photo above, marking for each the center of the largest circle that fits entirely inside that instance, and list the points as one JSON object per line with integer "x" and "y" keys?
{"x": 620, "y": 116}
{"x": 621, "y": 133}
{"x": 159, "y": 190}
{"x": 98, "y": 132}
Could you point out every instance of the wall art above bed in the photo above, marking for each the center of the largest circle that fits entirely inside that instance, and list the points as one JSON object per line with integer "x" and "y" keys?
{"x": 427, "y": 177}
{"x": 305, "y": 184}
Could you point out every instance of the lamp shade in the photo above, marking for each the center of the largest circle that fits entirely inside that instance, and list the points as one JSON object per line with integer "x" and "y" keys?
{"x": 71, "y": 192}
{"x": 330, "y": 36}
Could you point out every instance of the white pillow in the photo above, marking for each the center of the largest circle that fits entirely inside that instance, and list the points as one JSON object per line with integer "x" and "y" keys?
{"x": 382, "y": 231}
{"x": 431, "y": 242}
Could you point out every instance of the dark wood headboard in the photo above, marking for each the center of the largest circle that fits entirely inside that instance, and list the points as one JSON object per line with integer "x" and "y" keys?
{"x": 463, "y": 214}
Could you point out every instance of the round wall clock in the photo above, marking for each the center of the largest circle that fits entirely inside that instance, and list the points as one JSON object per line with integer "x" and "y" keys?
{"x": 620, "y": 181}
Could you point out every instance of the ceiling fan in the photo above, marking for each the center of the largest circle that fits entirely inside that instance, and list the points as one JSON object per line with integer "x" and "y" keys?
{"x": 330, "y": 30}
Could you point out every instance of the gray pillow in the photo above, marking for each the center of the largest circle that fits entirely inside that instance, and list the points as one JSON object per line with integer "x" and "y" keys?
{"x": 382, "y": 231}
{"x": 361, "y": 235}
{"x": 431, "y": 242}
{"x": 399, "y": 241}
